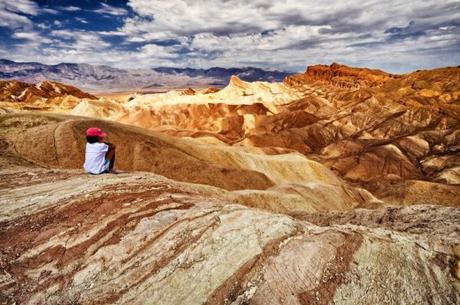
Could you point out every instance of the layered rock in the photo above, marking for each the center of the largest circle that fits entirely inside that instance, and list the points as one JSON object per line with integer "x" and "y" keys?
{"x": 137, "y": 238}
{"x": 254, "y": 222}
{"x": 57, "y": 141}
{"x": 341, "y": 76}
{"x": 228, "y": 113}
{"x": 405, "y": 128}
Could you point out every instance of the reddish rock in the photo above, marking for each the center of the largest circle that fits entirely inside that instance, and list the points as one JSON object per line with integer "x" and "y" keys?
{"x": 15, "y": 91}
{"x": 341, "y": 76}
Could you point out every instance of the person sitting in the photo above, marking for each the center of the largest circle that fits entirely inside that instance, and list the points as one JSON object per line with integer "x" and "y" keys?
{"x": 99, "y": 155}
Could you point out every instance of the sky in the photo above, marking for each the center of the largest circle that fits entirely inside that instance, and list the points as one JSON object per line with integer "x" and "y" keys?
{"x": 396, "y": 36}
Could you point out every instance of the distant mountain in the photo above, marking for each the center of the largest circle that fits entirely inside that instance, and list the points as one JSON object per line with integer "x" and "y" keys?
{"x": 105, "y": 78}
{"x": 249, "y": 74}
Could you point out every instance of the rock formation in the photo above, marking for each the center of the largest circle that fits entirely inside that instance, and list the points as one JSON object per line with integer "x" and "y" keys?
{"x": 136, "y": 238}
{"x": 247, "y": 195}
{"x": 373, "y": 128}
{"x": 43, "y": 96}
{"x": 341, "y": 76}
{"x": 227, "y": 113}
{"x": 282, "y": 183}
{"x": 15, "y": 91}
{"x": 405, "y": 128}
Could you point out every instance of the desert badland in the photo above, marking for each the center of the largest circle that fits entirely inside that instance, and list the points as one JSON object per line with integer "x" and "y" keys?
{"x": 338, "y": 185}
{"x": 229, "y": 152}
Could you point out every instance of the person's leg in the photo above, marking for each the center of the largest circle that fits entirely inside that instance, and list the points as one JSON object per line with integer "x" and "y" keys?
{"x": 110, "y": 155}
{"x": 112, "y": 161}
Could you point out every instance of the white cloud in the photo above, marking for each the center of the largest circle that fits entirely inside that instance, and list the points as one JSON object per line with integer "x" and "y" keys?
{"x": 81, "y": 41}
{"x": 32, "y": 36}
{"x": 82, "y": 20}
{"x": 156, "y": 51}
{"x": 49, "y": 11}
{"x": 13, "y": 21}
{"x": 111, "y": 10}
{"x": 20, "y": 6}
{"x": 12, "y": 13}
{"x": 70, "y": 8}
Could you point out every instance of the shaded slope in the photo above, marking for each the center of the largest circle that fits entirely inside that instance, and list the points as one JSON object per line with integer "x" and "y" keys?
{"x": 56, "y": 141}
{"x": 406, "y": 128}
{"x": 387, "y": 128}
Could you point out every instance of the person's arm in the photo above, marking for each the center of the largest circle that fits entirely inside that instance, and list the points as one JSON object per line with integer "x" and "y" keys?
{"x": 111, "y": 146}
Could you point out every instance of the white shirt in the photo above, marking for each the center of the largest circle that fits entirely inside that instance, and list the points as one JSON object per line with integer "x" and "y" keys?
{"x": 95, "y": 162}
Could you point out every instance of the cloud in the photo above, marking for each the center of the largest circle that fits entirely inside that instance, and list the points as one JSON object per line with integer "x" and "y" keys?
{"x": 21, "y": 6}
{"x": 290, "y": 34}
{"x": 15, "y": 14}
{"x": 12, "y": 13}
{"x": 13, "y": 21}
{"x": 70, "y": 8}
{"x": 32, "y": 36}
{"x": 82, "y": 20}
{"x": 111, "y": 10}
{"x": 81, "y": 41}
{"x": 49, "y": 11}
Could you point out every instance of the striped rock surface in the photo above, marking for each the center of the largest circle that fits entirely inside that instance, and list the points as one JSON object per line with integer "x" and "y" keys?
{"x": 140, "y": 238}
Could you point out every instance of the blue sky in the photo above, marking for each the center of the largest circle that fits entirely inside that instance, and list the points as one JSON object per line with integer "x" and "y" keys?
{"x": 397, "y": 36}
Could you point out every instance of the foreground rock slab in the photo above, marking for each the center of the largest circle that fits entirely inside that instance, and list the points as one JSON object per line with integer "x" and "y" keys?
{"x": 139, "y": 238}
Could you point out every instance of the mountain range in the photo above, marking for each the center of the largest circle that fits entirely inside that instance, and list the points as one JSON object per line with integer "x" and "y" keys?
{"x": 106, "y": 78}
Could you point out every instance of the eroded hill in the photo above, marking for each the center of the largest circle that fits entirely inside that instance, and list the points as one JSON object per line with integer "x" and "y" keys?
{"x": 396, "y": 135}
{"x": 45, "y": 95}
{"x": 280, "y": 183}
{"x": 199, "y": 221}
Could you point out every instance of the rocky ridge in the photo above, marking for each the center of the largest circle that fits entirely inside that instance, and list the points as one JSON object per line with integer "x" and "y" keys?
{"x": 43, "y": 96}
{"x": 341, "y": 76}
{"x": 15, "y": 91}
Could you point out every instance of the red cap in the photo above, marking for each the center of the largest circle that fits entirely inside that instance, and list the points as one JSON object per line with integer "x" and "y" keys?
{"x": 95, "y": 132}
